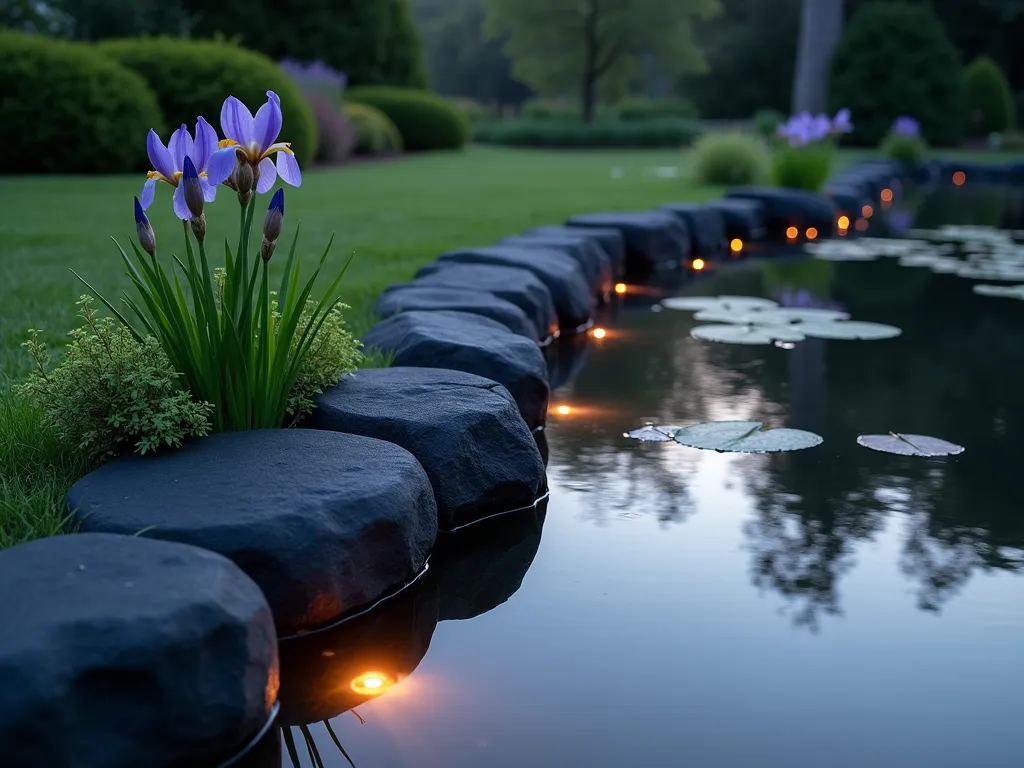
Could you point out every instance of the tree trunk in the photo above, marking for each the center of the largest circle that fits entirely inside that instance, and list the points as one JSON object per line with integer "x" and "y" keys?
{"x": 588, "y": 84}
{"x": 821, "y": 23}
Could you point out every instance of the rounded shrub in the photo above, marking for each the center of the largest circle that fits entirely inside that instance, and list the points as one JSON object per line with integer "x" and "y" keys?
{"x": 895, "y": 59}
{"x": 652, "y": 109}
{"x": 765, "y": 122}
{"x": 375, "y": 133}
{"x": 909, "y": 150}
{"x": 66, "y": 108}
{"x": 988, "y": 100}
{"x": 193, "y": 77}
{"x": 730, "y": 159}
{"x": 424, "y": 120}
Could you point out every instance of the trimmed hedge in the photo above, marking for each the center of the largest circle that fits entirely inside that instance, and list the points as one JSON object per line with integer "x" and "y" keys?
{"x": 731, "y": 159}
{"x": 600, "y": 133}
{"x": 193, "y": 77}
{"x": 66, "y": 108}
{"x": 895, "y": 59}
{"x": 653, "y": 109}
{"x": 375, "y": 133}
{"x": 988, "y": 99}
{"x": 424, "y": 120}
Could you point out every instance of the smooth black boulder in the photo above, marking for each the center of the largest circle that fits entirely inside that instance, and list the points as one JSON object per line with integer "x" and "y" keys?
{"x": 411, "y": 297}
{"x": 324, "y": 522}
{"x": 655, "y": 240}
{"x": 849, "y": 199}
{"x": 518, "y": 286}
{"x": 744, "y": 219}
{"x": 465, "y": 430}
{"x": 574, "y": 301}
{"x": 125, "y": 651}
{"x": 707, "y": 228}
{"x": 469, "y": 343}
{"x": 587, "y": 252}
{"x": 609, "y": 238}
{"x": 784, "y": 208}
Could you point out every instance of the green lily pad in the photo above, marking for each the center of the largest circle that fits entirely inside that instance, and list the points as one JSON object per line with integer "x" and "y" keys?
{"x": 718, "y": 303}
{"x": 910, "y": 445}
{"x": 1003, "y": 291}
{"x": 745, "y": 437}
{"x": 746, "y": 334}
{"x": 788, "y": 315}
{"x": 850, "y": 330}
{"x": 651, "y": 433}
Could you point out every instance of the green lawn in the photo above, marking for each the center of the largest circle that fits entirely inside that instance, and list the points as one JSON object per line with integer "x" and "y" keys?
{"x": 396, "y": 216}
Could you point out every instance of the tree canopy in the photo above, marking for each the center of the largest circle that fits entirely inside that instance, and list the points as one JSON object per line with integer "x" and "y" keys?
{"x": 597, "y": 46}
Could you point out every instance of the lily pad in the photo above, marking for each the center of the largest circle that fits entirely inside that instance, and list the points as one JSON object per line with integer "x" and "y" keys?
{"x": 787, "y": 315}
{"x": 718, "y": 303}
{"x": 746, "y": 334}
{"x": 924, "y": 260}
{"x": 850, "y": 330}
{"x": 991, "y": 271}
{"x": 910, "y": 445}
{"x": 651, "y": 433}
{"x": 745, "y": 437}
{"x": 719, "y": 315}
{"x": 846, "y": 254}
{"x": 1004, "y": 291}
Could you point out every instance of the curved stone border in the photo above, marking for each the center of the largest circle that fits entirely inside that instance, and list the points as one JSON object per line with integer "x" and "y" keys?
{"x": 254, "y": 743}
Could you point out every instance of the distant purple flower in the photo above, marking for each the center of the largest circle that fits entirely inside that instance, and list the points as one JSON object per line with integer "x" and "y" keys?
{"x": 906, "y": 126}
{"x": 317, "y": 77}
{"x": 169, "y": 163}
{"x": 820, "y": 127}
{"x": 900, "y": 221}
{"x": 841, "y": 122}
{"x": 256, "y": 138}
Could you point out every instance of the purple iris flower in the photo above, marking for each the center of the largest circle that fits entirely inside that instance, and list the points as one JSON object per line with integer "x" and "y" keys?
{"x": 169, "y": 163}
{"x": 906, "y": 126}
{"x": 820, "y": 127}
{"x": 256, "y": 139}
{"x": 841, "y": 122}
{"x": 798, "y": 130}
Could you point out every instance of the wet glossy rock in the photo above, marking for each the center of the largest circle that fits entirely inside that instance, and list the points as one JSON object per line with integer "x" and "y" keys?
{"x": 465, "y": 430}
{"x": 585, "y": 251}
{"x": 784, "y": 208}
{"x": 123, "y": 651}
{"x": 572, "y": 296}
{"x": 707, "y": 228}
{"x": 609, "y": 238}
{"x": 324, "y": 522}
{"x": 469, "y": 343}
{"x": 518, "y": 286}
{"x": 411, "y": 297}
{"x": 743, "y": 218}
{"x": 655, "y": 240}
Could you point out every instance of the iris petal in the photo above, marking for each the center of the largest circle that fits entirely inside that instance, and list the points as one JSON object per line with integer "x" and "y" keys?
{"x": 205, "y": 144}
{"x": 179, "y": 146}
{"x": 220, "y": 165}
{"x": 267, "y": 125}
{"x": 180, "y": 206}
{"x": 159, "y": 156}
{"x": 209, "y": 190}
{"x": 288, "y": 169}
{"x": 148, "y": 193}
{"x": 268, "y": 175}
{"x": 236, "y": 121}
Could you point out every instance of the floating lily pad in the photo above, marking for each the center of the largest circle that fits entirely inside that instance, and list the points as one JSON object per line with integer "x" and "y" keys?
{"x": 746, "y": 334}
{"x": 848, "y": 254}
{"x": 651, "y": 433}
{"x": 1004, "y": 291}
{"x": 719, "y": 315}
{"x": 787, "y": 315}
{"x": 850, "y": 330}
{"x": 924, "y": 260}
{"x": 991, "y": 271}
{"x": 892, "y": 247}
{"x": 745, "y": 437}
{"x": 718, "y": 303}
{"x": 910, "y": 445}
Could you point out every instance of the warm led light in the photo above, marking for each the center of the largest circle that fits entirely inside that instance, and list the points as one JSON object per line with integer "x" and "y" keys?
{"x": 736, "y": 245}
{"x": 867, "y": 211}
{"x": 843, "y": 222}
{"x": 791, "y": 233}
{"x": 886, "y": 195}
{"x": 563, "y": 410}
{"x": 698, "y": 264}
{"x": 620, "y": 288}
{"x": 811, "y": 233}
{"x": 371, "y": 683}
{"x": 599, "y": 333}
{"x": 862, "y": 224}
{"x": 959, "y": 178}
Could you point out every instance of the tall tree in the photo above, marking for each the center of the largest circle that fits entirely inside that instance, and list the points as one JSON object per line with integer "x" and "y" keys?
{"x": 821, "y": 24}
{"x": 596, "y": 45}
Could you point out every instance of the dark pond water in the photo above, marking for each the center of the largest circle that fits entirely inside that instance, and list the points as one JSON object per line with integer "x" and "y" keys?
{"x": 833, "y": 607}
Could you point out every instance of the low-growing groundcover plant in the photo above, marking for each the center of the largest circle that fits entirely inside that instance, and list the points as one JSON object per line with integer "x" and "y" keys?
{"x": 806, "y": 144}
{"x": 730, "y": 158}
{"x": 904, "y": 143}
{"x": 201, "y": 349}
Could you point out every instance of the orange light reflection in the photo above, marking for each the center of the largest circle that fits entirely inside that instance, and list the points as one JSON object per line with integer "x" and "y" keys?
{"x": 959, "y": 178}
{"x": 698, "y": 264}
{"x": 620, "y": 288}
{"x": 736, "y": 246}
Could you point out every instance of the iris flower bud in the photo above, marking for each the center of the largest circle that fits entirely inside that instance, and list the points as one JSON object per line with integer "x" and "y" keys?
{"x": 273, "y": 224}
{"x": 193, "y": 188}
{"x": 147, "y": 237}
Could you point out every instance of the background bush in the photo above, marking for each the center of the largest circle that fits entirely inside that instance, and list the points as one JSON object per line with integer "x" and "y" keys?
{"x": 66, "y": 108}
{"x": 193, "y": 77}
{"x": 375, "y": 133}
{"x": 895, "y": 59}
{"x": 547, "y": 109}
{"x": 730, "y": 159}
{"x": 600, "y": 133}
{"x": 424, "y": 120}
{"x": 802, "y": 167}
{"x": 988, "y": 100}
{"x": 910, "y": 150}
{"x": 337, "y": 135}
{"x": 652, "y": 109}
{"x": 766, "y": 122}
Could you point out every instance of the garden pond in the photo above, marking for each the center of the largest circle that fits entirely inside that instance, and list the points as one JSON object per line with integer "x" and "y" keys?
{"x": 670, "y": 606}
